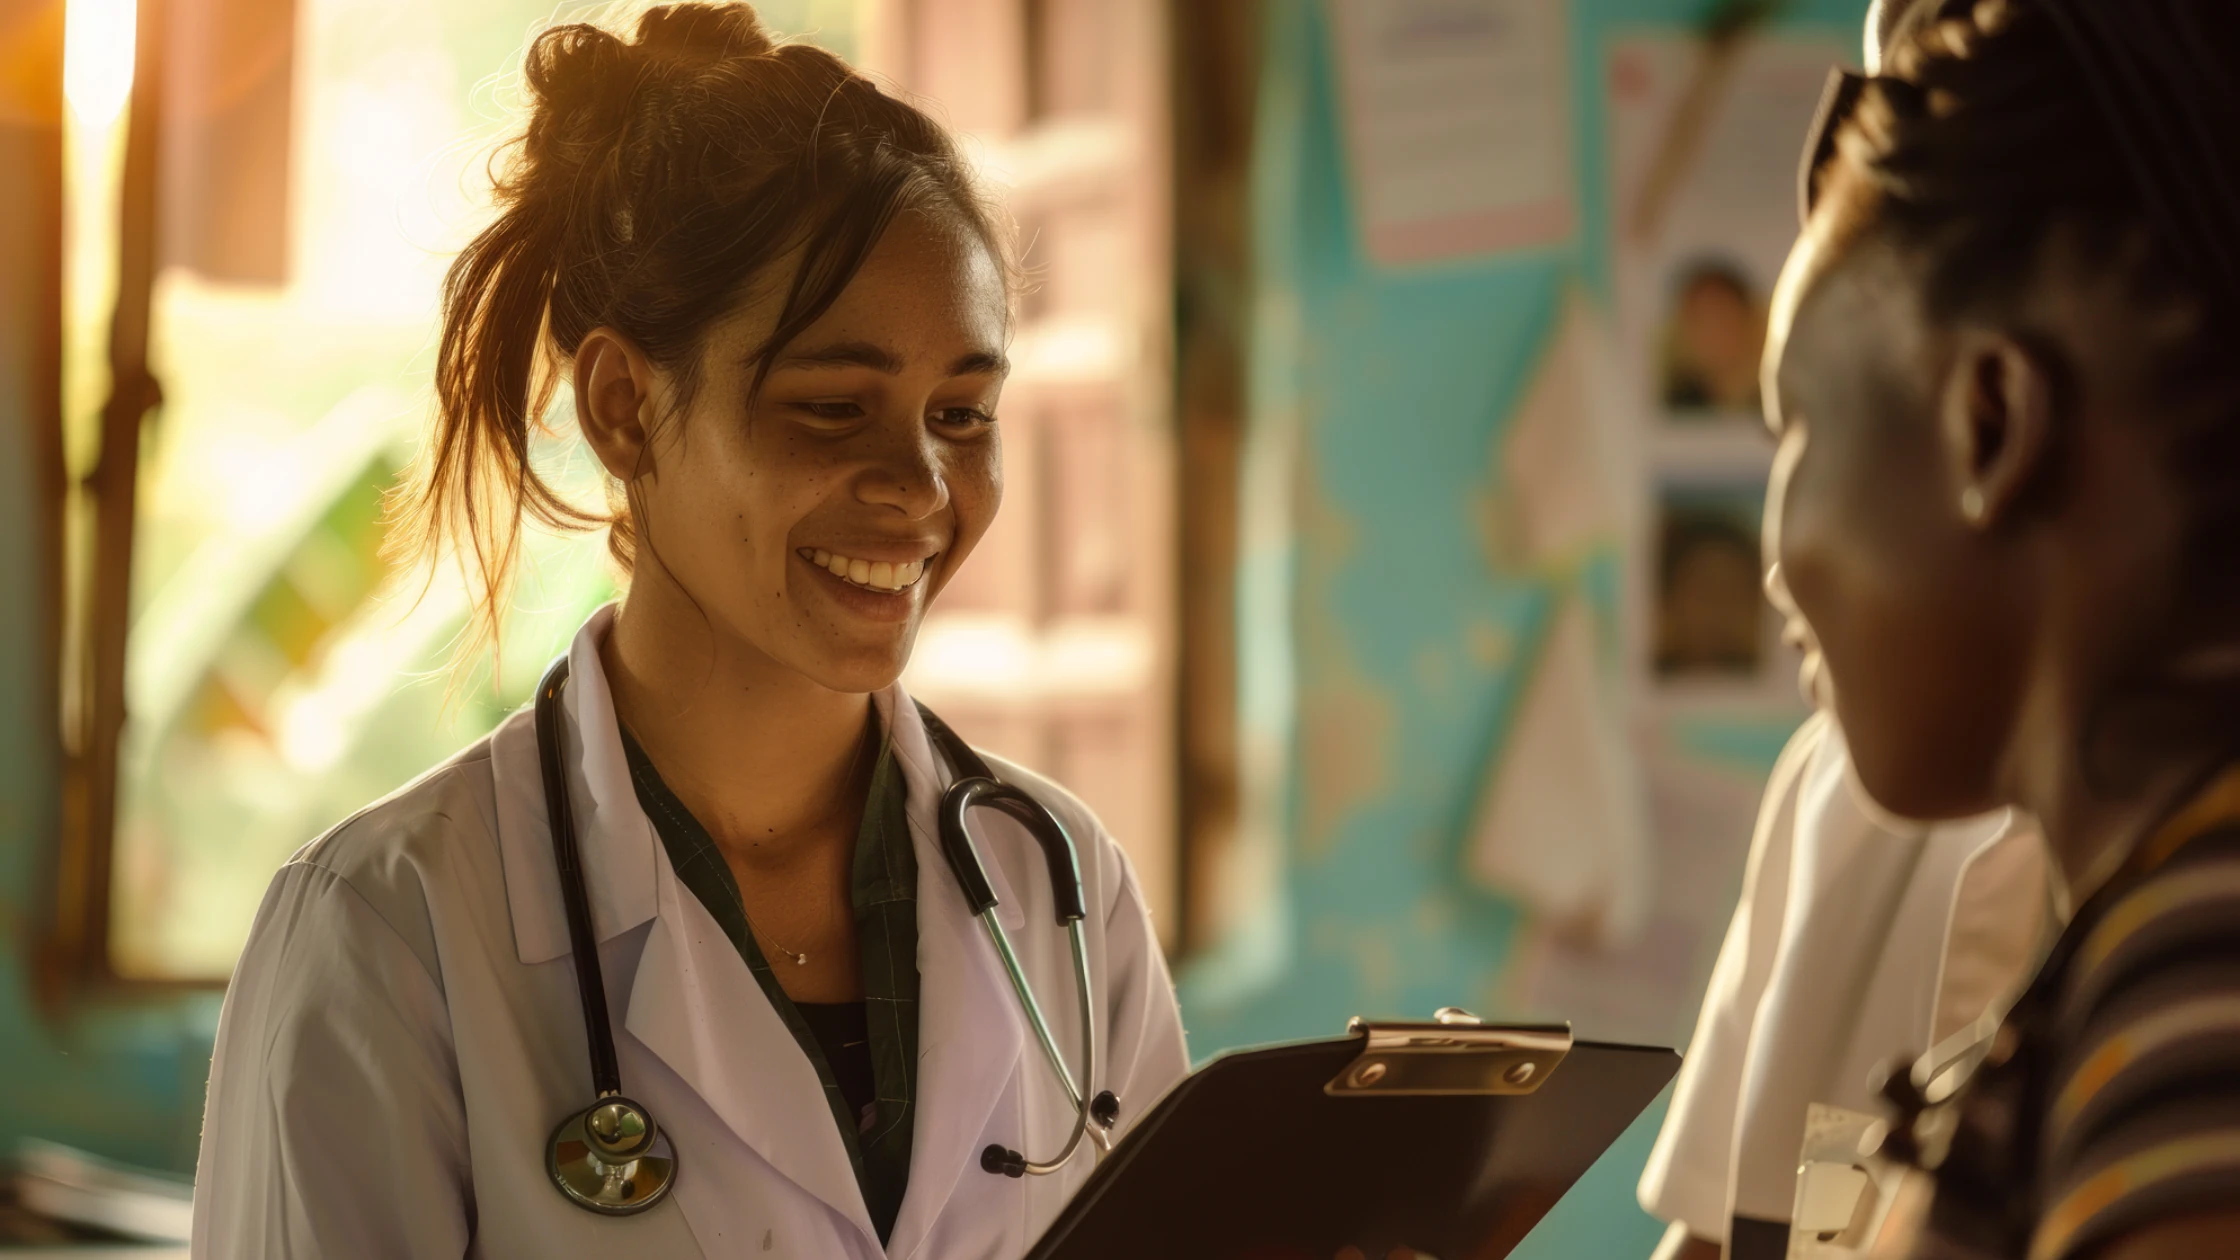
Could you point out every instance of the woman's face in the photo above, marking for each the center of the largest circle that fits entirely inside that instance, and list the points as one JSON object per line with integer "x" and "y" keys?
{"x": 817, "y": 521}
{"x": 1906, "y": 619}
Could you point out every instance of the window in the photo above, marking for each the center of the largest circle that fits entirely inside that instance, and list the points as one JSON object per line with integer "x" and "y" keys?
{"x": 276, "y": 674}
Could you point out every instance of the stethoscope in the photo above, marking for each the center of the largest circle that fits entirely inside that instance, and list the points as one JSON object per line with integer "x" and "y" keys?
{"x": 611, "y": 1157}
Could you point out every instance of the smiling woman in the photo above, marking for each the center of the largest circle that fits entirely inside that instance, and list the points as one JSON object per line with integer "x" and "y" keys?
{"x": 783, "y": 308}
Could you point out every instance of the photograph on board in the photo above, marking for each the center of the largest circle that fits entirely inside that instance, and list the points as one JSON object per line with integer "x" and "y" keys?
{"x": 1710, "y": 612}
{"x": 1714, "y": 336}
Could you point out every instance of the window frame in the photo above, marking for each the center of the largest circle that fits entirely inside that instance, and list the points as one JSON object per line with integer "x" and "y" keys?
{"x": 89, "y": 642}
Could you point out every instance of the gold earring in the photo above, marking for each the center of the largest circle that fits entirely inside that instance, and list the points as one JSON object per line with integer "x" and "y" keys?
{"x": 1971, "y": 505}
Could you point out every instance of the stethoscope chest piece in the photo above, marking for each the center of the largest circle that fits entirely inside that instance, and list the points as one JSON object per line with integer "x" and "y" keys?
{"x": 611, "y": 1158}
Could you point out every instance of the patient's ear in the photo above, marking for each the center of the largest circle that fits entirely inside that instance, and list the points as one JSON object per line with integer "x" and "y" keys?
{"x": 614, "y": 388}
{"x": 1995, "y": 424}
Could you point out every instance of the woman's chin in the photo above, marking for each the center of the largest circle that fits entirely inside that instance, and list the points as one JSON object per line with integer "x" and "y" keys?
{"x": 1903, "y": 782}
{"x": 861, "y": 667}
{"x": 1863, "y": 786}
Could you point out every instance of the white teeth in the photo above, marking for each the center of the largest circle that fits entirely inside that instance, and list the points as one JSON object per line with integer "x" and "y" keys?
{"x": 880, "y": 575}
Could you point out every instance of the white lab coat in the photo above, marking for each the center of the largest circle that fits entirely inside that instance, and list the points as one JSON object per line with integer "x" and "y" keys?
{"x": 403, "y": 1033}
{"x": 1853, "y": 945}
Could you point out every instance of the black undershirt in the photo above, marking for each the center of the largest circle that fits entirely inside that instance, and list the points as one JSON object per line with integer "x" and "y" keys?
{"x": 843, "y": 1032}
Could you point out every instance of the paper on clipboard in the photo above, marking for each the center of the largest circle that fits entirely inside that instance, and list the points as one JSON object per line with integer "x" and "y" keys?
{"x": 1457, "y": 124}
{"x": 1843, "y": 1197}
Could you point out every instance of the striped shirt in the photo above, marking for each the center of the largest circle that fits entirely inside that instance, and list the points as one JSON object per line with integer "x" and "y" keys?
{"x": 2110, "y": 1098}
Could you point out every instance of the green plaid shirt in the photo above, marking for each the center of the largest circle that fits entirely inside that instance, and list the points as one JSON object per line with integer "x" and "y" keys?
{"x": 884, "y": 890}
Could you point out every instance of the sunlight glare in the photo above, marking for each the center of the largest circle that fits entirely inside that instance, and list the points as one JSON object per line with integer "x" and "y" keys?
{"x": 97, "y": 40}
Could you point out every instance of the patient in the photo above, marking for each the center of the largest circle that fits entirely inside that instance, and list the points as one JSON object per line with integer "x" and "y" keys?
{"x": 2007, "y": 504}
{"x": 1859, "y": 938}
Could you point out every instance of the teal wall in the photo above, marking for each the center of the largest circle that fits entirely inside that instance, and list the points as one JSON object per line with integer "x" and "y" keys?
{"x": 1376, "y": 631}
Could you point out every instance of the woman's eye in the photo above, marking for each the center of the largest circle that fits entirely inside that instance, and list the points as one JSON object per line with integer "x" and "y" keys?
{"x": 830, "y": 410}
{"x": 963, "y": 417}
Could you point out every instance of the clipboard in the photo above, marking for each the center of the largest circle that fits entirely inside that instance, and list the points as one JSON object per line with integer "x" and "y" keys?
{"x": 1452, "y": 1138}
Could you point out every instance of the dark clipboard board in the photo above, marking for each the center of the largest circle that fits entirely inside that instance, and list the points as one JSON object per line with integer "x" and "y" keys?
{"x": 1451, "y": 1138}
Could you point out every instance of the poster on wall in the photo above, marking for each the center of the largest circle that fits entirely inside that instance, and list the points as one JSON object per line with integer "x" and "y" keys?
{"x": 1703, "y": 212}
{"x": 1704, "y": 154}
{"x": 1457, "y": 125}
{"x": 1705, "y": 209}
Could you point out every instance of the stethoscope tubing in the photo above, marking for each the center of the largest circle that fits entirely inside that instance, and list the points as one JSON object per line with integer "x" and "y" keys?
{"x": 1049, "y": 1043}
{"x": 575, "y": 899}
{"x": 976, "y": 786}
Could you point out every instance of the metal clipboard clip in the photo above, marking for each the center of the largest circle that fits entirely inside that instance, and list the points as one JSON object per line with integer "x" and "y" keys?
{"x": 1455, "y": 1054}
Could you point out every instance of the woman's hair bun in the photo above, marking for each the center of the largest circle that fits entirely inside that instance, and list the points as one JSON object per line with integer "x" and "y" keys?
{"x": 694, "y": 32}
{"x": 581, "y": 78}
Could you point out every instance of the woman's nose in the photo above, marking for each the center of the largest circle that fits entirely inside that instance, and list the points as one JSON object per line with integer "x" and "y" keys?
{"x": 1777, "y": 591}
{"x": 908, "y": 477}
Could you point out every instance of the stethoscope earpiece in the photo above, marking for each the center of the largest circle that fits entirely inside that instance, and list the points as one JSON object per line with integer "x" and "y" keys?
{"x": 611, "y": 1158}
{"x": 1003, "y": 1161}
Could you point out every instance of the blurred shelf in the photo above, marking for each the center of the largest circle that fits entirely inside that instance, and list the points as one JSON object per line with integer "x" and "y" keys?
{"x": 1001, "y": 658}
{"x": 1714, "y": 447}
{"x": 1070, "y": 350}
{"x": 1059, "y": 158}
{"x": 64, "y": 1202}
{"x": 92, "y": 1252}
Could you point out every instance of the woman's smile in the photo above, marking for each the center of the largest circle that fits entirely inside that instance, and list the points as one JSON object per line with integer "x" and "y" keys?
{"x": 876, "y": 574}
{"x": 885, "y": 589}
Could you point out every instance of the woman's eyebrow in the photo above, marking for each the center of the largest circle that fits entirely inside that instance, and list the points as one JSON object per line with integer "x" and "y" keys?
{"x": 846, "y": 354}
{"x": 981, "y": 363}
{"x": 881, "y": 359}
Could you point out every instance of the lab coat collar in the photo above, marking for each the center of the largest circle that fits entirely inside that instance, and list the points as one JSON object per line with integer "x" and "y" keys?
{"x": 694, "y": 1003}
{"x": 615, "y": 840}
{"x": 970, "y": 1029}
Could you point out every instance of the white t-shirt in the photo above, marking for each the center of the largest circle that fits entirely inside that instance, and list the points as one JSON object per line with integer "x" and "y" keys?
{"x": 1854, "y": 944}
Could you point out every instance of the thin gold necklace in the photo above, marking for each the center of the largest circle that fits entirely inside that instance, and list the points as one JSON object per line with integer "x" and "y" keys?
{"x": 855, "y": 763}
{"x": 797, "y": 959}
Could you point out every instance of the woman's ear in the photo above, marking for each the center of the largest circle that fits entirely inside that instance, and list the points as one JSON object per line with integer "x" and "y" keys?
{"x": 1995, "y": 424}
{"x": 614, "y": 388}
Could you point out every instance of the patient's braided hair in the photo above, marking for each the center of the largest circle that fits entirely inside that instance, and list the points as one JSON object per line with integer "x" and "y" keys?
{"x": 659, "y": 177}
{"x": 1998, "y": 124}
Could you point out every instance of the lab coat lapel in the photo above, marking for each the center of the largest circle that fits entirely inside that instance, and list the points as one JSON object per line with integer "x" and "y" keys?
{"x": 696, "y": 1005}
{"x": 613, "y": 836}
{"x": 969, "y": 1027}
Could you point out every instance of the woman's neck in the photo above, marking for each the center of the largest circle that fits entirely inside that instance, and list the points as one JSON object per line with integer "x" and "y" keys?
{"x": 764, "y": 757}
{"x": 2095, "y": 816}
{"x": 2090, "y": 834}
